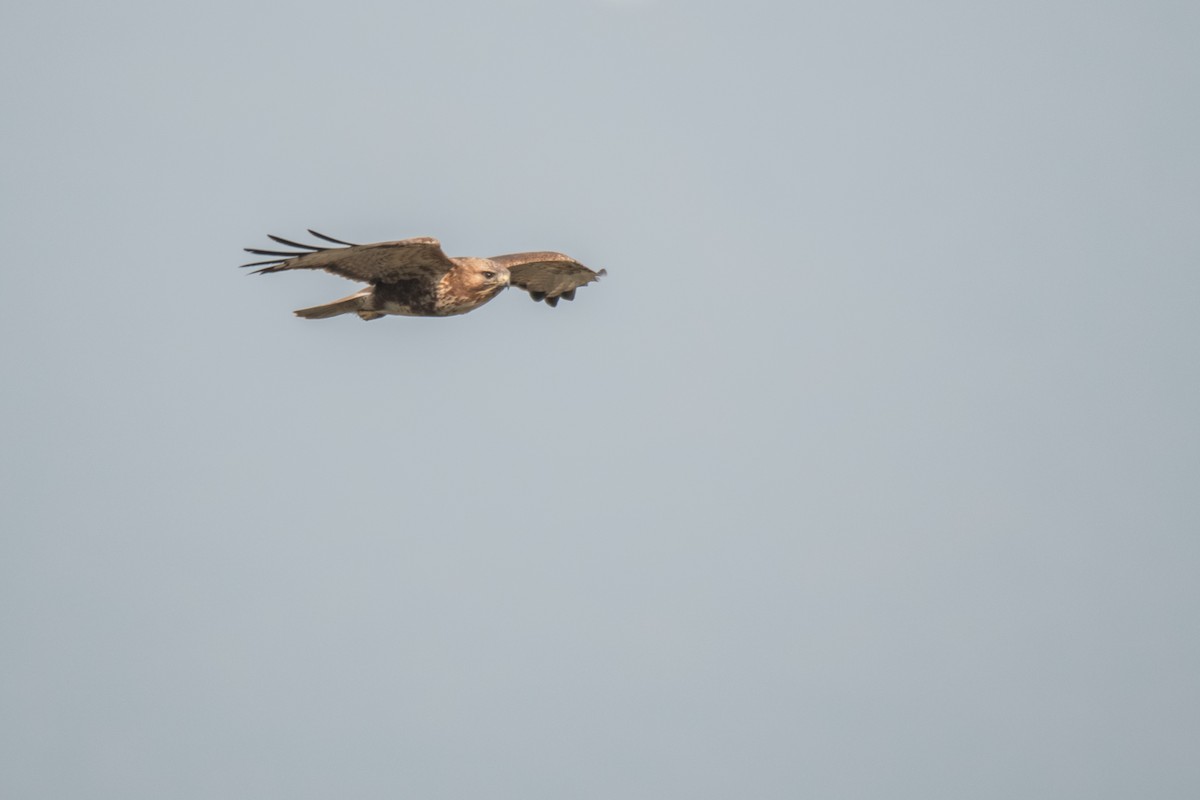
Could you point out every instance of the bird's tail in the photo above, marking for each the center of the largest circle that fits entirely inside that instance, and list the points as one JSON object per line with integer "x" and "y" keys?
{"x": 354, "y": 304}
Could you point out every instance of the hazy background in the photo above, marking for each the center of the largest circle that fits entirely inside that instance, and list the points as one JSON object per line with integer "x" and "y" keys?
{"x": 872, "y": 470}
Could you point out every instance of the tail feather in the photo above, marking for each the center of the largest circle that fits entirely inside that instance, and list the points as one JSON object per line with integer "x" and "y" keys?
{"x": 354, "y": 304}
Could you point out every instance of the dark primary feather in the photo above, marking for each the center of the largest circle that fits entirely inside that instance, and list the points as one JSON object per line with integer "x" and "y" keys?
{"x": 330, "y": 238}
{"x": 281, "y": 240}
{"x": 270, "y": 252}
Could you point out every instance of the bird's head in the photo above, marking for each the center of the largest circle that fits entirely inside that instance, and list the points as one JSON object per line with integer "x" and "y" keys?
{"x": 482, "y": 275}
{"x": 471, "y": 283}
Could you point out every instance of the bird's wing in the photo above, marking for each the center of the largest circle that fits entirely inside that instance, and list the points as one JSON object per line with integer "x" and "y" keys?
{"x": 547, "y": 276}
{"x": 381, "y": 262}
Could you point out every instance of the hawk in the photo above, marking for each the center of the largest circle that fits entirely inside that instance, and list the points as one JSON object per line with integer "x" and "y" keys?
{"x": 414, "y": 278}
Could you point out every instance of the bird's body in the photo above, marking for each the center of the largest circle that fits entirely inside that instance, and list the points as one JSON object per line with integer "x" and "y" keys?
{"x": 414, "y": 278}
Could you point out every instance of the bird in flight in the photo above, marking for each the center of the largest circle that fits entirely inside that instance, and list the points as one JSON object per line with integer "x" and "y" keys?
{"x": 414, "y": 278}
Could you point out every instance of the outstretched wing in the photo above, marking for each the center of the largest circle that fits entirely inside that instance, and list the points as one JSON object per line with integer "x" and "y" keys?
{"x": 547, "y": 276}
{"x": 381, "y": 262}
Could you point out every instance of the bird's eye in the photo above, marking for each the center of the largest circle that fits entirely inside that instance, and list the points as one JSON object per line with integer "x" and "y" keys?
{"x": 489, "y": 275}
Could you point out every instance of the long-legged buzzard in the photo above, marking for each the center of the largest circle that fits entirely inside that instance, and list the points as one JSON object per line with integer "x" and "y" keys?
{"x": 414, "y": 278}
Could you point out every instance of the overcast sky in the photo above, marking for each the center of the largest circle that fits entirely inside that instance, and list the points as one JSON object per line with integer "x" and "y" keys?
{"x": 871, "y": 470}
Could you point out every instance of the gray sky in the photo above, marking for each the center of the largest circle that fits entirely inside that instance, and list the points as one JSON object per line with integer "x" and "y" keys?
{"x": 870, "y": 471}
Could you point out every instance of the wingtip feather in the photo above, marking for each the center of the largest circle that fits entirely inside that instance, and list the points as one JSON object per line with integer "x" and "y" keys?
{"x": 330, "y": 238}
{"x": 290, "y": 243}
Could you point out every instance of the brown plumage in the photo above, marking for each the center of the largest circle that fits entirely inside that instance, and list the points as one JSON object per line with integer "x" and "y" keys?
{"x": 414, "y": 278}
